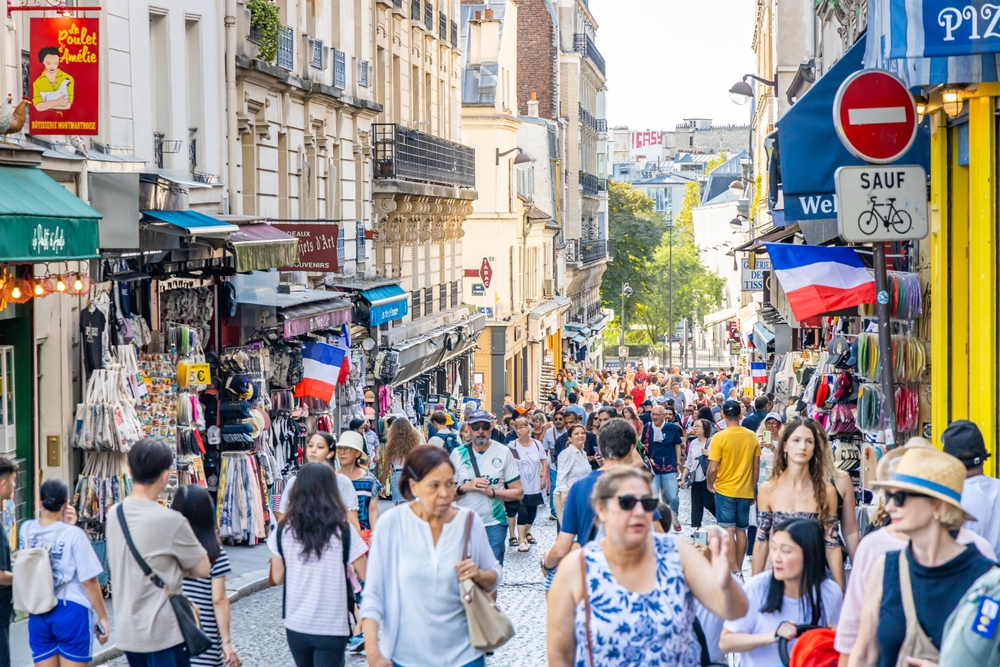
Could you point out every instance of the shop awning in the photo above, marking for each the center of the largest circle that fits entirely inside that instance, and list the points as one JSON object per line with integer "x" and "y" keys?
{"x": 438, "y": 346}
{"x": 551, "y": 305}
{"x": 314, "y": 316}
{"x": 762, "y": 337}
{"x": 773, "y": 236}
{"x": 720, "y": 316}
{"x": 809, "y": 150}
{"x": 41, "y": 221}
{"x": 385, "y": 303}
{"x": 913, "y": 45}
{"x": 579, "y": 338}
{"x": 259, "y": 247}
{"x": 188, "y": 223}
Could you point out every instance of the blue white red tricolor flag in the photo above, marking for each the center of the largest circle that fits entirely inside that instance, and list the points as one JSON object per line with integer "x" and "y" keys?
{"x": 321, "y": 369}
{"x": 758, "y": 372}
{"x": 820, "y": 279}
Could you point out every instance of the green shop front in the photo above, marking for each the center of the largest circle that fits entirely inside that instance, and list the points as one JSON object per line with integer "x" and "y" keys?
{"x": 47, "y": 237}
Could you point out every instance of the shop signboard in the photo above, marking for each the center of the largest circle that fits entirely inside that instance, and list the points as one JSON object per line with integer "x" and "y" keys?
{"x": 486, "y": 272}
{"x": 317, "y": 246}
{"x": 64, "y": 73}
{"x": 752, "y": 277}
{"x": 488, "y": 312}
{"x": 734, "y": 348}
{"x": 882, "y": 203}
{"x": 734, "y": 330}
{"x": 947, "y": 28}
{"x": 52, "y": 239}
{"x": 199, "y": 374}
{"x": 478, "y": 289}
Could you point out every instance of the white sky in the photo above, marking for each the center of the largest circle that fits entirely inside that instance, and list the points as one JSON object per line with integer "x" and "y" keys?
{"x": 674, "y": 59}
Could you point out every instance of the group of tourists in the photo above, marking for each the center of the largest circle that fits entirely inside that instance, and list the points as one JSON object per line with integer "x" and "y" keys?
{"x": 623, "y": 586}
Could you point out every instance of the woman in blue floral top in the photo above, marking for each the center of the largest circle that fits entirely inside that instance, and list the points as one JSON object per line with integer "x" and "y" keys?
{"x": 354, "y": 463}
{"x": 637, "y": 609}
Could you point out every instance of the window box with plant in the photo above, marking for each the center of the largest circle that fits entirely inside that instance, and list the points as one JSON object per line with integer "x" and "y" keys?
{"x": 265, "y": 28}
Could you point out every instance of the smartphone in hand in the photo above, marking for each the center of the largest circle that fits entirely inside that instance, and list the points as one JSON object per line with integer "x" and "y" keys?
{"x": 700, "y": 537}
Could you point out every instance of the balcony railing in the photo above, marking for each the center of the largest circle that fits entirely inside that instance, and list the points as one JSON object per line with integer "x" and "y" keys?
{"x": 286, "y": 48}
{"x": 589, "y": 183}
{"x": 583, "y": 45}
{"x": 602, "y": 124}
{"x": 429, "y": 15}
{"x": 602, "y": 185}
{"x": 339, "y": 69}
{"x": 442, "y": 27}
{"x": 398, "y": 4}
{"x": 415, "y": 10}
{"x": 317, "y": 54}
{"x": 592, "y": 251}
{"x": 402, "y": 153}
{"x": 454, "y": 34}
{"x": 586, "y": 118}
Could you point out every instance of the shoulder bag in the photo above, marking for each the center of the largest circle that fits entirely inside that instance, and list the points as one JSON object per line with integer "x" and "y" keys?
{"x": 489, "y": 628}
{"x": 916, "y": 643}
{"x": 586, "y": 606}
{"x": 196, "y": 641}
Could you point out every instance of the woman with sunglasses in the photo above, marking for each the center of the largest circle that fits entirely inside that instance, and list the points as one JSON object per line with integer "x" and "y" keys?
{"x": 798, "y": 489}
{"x": 876, "y": 545}
{"x": 795, "y": 592}
{"x": 926, "y": 578}
{"x": 628, "y": 598}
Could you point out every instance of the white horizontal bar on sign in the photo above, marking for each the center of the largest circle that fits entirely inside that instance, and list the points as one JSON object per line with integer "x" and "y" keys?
{"x": 876, "y": 115}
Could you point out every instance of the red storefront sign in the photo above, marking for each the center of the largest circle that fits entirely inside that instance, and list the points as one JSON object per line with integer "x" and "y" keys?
{"x": 734, "y": 330}
{"x": 317, "y": 246}
{"x": 65, "y": 75}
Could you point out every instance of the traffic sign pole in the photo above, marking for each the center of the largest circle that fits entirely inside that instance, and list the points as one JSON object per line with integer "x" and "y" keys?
{"x": 885, "y": 340}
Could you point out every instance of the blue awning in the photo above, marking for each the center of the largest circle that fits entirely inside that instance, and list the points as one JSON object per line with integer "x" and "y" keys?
{"x": 903, "y": 32}
{"x": 192, "y": 223}
{"x": 762, "y": 337}
{"x": 579, "y": 339}
{"x": 809, "y": 150}
{"x": 386, "y": 303}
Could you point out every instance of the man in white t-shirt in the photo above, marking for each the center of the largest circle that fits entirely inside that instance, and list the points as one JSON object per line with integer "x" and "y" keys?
{"x": 980, "y": 494}
{"x": 488, "y": 476}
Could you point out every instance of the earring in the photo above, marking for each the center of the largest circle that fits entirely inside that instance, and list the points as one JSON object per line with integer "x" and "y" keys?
{"x": 937, "y": 517}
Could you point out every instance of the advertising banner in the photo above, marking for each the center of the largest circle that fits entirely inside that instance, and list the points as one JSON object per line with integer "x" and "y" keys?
{"x": 317, "y": 246}
{"x": 943, "y": 28}
{"x": 65, "y": 75}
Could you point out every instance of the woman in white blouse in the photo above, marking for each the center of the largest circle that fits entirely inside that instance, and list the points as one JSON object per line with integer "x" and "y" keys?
{"x": 412, "y": 611}
{"x": 571, "y": 465}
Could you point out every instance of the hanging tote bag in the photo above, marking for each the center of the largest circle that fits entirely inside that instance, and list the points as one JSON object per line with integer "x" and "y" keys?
{"x": 489, "y": 628}
{"x": 195, "y": 639}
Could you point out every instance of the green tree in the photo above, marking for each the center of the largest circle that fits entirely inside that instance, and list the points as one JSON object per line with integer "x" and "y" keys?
{"x": 715, "y": 161}
{"x": 684, "y": 224}
{"x": 635, "y": 229}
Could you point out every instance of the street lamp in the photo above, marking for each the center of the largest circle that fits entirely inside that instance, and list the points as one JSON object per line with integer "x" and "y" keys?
{"x": 670, "y": 296}
{"x": 521, "y": 158}
{"x": 737, "y": 222}
{"x": 626, "y": 292}
{"x": 742, "y": 92}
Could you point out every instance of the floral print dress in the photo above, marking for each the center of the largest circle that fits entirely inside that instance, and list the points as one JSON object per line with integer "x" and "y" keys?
{"x": 628, "y": 629}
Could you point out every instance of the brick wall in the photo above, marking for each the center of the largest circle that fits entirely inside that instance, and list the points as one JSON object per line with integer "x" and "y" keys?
{"x": 536, "y": 58}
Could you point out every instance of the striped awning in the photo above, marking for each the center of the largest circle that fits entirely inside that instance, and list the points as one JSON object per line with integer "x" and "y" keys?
{"x": 921, "y": 49}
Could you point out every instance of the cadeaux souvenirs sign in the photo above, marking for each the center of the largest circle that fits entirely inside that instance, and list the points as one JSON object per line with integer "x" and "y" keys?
{"x": 65, "y": 75}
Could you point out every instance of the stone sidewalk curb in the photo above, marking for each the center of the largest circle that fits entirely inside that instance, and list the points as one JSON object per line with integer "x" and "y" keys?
{"x": 243, "y": 586}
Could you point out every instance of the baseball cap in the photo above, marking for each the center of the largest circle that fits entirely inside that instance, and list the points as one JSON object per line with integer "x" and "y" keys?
{"x": 847, "y": 457}
{"x": 478, "y": 416}
{"x": 732, "y": 408}
{"x": 214, "y": 435}
{"x": 963, "y": 440}
{"x": 775, "y": 416}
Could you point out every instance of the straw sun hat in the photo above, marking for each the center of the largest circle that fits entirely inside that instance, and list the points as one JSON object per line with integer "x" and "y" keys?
{"x": 929, "y": 472}
{"x": 354, "y": 440}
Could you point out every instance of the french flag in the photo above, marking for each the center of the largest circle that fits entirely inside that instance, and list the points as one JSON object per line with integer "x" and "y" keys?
{"x": 758, "y": 372}
{"x": 321, "y": 367}
{"x": 820, "y": 279}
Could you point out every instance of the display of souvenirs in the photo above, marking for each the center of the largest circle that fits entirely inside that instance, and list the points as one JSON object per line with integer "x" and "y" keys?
{"x": 107, "y": 419}
{"x": 104, "y": 481}
{"x": 160, "y": 375}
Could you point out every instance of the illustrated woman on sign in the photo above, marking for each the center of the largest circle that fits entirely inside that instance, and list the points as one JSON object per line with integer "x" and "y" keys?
{"x": 53, "y": 90}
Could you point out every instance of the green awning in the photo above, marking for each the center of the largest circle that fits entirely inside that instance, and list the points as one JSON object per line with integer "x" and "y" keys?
{"x": 41, "y": 221}
{"x": 260, "y": 247}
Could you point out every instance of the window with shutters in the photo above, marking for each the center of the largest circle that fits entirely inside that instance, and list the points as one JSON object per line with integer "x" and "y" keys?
{"x": 443, "y": 296}
{"x": 428, "y": 300}
{"x": 415, "y": 304}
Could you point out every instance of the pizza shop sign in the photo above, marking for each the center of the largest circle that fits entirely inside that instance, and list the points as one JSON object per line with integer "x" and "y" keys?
{"x": 948, "y": 27}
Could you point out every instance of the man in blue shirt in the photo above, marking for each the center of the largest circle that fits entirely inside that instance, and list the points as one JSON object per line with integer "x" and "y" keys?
{"x": 662, "y": 439}
{"x": 761, "y": 406}
{"x": 726, "y": 384}
{"x": 581, "y": 414}
{"x": 617, "y": 442}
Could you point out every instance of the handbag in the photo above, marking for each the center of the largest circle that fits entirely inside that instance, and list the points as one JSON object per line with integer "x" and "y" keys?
{"x": 586, "y": 606}
{"x": 196, "y": 641}
{"x": 489, "y": 628}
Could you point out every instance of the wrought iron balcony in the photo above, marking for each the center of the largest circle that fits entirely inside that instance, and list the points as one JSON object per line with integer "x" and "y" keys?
{"x": 586, "y": 117}
{"x": 602, "y": 124}
{"x": 405, "y": 154}
{"x": 339, "y": 69}
{"x": 589, "y": 183}
{"x": 593, "y": 251}
{"x": 583, "y": 45}
{"x": 602, "y": 185}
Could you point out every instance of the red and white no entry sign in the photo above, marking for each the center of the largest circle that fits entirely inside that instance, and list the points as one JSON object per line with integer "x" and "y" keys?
{"x": 875, "y": 116}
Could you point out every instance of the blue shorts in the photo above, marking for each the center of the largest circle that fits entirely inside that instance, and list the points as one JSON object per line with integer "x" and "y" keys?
{"x": 732, "y": 512}
{"x": 65, "y": 631}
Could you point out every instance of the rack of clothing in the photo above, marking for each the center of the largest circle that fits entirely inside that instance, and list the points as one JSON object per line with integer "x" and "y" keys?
{"x": 242, "y": 508}
{"x": 104, "y": 481}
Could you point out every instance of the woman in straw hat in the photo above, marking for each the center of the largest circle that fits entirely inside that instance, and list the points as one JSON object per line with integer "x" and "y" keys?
{"x": 926, "y": 579}
{"x": 354, "y": 465}
{"x": 876, "y": 545}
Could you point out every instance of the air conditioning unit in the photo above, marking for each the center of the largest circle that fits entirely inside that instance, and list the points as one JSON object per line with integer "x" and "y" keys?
{"x": 548, "y": 288}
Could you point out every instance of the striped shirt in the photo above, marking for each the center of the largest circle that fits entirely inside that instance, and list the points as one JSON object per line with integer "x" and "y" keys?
{"x": 199, "y": 591}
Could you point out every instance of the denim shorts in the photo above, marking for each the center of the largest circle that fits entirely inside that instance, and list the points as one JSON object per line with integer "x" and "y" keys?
{"x": 730, "y": 512}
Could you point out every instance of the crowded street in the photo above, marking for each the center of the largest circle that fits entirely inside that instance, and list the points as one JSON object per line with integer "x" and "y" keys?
{"x": 499, "y": 333}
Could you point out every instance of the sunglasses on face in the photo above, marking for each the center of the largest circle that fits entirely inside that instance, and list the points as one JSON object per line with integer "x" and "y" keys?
{"x": 898, "y": 498}
{"x": 628, "y": 502}
{"x": 481, "y": 426}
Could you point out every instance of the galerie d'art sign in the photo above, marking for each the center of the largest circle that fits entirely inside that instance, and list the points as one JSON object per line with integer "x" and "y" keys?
{"x": 944, "y": 28}
{"x": 65, "y": 75}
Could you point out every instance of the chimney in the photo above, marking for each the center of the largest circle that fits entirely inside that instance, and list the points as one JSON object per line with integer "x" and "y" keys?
{"x": 479, "y": 16}
{"x": 488, "y": 14}
{"x": 533, "y": 106}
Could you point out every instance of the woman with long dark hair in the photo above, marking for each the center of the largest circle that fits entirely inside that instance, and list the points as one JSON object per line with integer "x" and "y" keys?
{"x": 209, "y": 593}
{"x": 399, "y": 441}
{"x": 796, "y": 591}
{"x": 798, "y": 488}
{"x": 693, "y": 469}
{"x": 321, "y": 447}
{"x": 307, "y": 555}
{"x": 412, "y": 608}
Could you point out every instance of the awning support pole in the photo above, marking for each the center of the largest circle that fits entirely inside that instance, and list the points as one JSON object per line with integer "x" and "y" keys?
{"x": 885, "y": 342}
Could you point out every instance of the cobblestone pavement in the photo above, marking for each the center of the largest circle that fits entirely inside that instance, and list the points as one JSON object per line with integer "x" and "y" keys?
{"x": 259, "y": 636}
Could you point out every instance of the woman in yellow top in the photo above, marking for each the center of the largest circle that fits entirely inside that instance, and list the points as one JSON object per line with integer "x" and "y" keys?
{"x": 53, "y": 90}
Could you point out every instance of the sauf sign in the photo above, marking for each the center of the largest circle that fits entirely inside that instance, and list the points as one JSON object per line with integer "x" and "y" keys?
{"x": 752, "y": 279}
{"x": 947, "y": 27}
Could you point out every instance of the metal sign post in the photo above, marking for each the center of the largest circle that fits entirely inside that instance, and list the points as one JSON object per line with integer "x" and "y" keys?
{"x": 884, "y": 338}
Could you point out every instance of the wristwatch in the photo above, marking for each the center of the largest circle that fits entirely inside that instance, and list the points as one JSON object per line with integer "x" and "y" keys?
{"x": 459, "y": 491}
